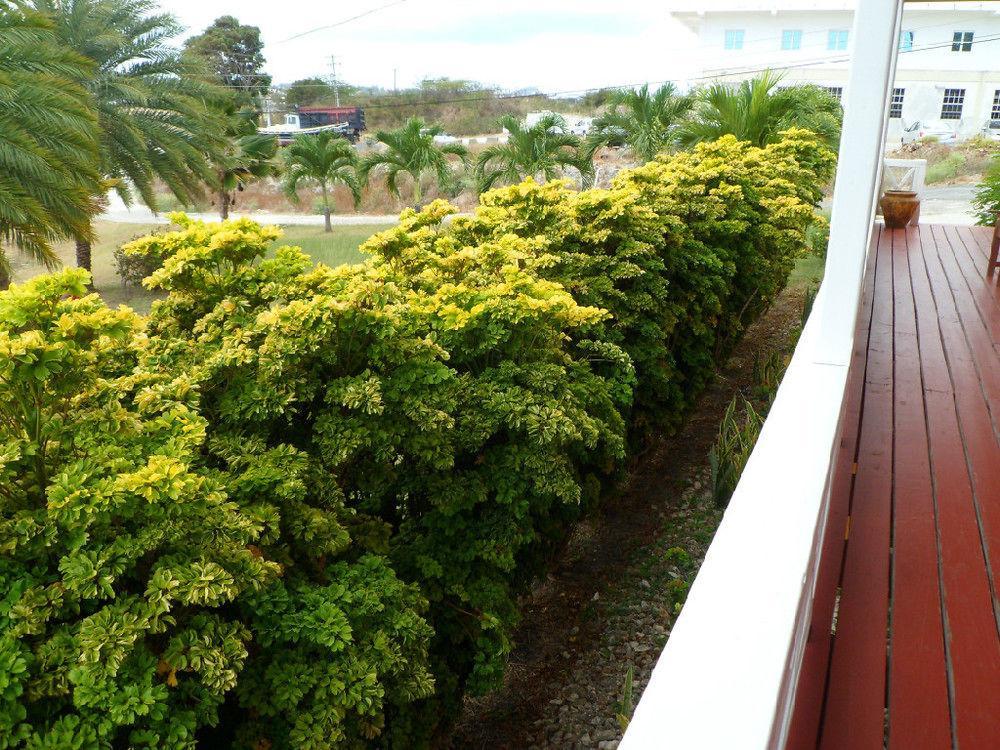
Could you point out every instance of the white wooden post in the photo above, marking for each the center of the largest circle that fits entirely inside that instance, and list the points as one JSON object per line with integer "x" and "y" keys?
{"x": 859, "y": 168}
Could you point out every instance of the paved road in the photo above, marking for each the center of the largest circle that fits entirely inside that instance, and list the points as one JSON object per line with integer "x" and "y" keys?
{"x": 140, "y": 214}
{"x": 950, "y": 192}
{"x": 946, "y": 204}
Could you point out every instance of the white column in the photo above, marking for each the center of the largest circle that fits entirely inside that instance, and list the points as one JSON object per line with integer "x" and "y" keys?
{"x": 859, "y": 169}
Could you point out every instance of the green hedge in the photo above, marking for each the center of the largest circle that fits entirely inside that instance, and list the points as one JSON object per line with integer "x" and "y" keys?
{"x": 296, "y": 507}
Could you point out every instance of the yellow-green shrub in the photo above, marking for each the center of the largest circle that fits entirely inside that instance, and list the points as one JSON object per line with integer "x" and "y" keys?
{"x": 413, "y": 437}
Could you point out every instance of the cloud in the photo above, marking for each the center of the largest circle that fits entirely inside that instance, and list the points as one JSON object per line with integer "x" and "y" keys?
{"x": 555, "y": 45}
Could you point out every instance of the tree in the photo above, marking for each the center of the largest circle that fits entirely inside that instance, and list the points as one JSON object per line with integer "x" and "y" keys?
{"x": 758, "y": 110}
{"x": 324, "y": 158}
{"x": 154, "y": 116}
{"x": 48, "y": 140}
{"x": 542, "y": 150}
{"x": 235, "y": 55}
{"x": 248, "y": 156}
{"x": 412, "y": 150}
{"x": 307, "y": 91}
{"x": 643, "y": 121}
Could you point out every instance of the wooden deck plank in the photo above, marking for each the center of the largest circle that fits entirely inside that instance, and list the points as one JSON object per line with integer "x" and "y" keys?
{"x": 921, "y": 669}
{"x": 810, "y": 691}
{"x": 971, "y": 625}
{"x": 919, "y": 711}
{"x": 854, "y": 712}
{"x": 968, "y": 258}
{"x": 975, "y": 315}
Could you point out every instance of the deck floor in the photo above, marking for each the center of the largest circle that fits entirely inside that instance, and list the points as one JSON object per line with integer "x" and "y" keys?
{"x": 904, "y": 650}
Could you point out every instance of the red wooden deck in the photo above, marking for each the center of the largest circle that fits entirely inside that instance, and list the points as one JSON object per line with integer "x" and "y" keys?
{"x": 904, "y": 649}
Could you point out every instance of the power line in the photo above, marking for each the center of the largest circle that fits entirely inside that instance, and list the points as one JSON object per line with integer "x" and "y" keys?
{"x": 720, "y": 73}
{"x": 343, "y": 22}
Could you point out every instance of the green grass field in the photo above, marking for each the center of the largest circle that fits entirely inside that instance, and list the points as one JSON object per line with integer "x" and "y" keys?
{"x": 334, "y": 249}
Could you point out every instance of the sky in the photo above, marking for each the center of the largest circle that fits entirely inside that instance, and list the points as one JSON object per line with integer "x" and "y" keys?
{"x": 548, "y": 45}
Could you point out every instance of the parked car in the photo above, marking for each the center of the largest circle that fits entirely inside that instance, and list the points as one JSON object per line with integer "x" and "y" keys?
{"x": 992, "y": 130}
{"x": 919, "y": 130}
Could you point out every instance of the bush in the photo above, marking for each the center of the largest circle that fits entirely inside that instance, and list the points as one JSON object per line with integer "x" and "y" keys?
{"x": 132, "y": 267}
{"x": 741, "y": 425}
{"x": 986, "y": 202}
{"x": 684, "y": 252}
{"x": 946, "y": 169}
{"x": 113, "y": 622}
{"x": 395, "y": 449}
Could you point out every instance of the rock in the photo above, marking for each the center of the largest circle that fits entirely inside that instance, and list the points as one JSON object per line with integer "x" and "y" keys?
{"x": 608, "y": 745}
{"x": 586, "y": 741}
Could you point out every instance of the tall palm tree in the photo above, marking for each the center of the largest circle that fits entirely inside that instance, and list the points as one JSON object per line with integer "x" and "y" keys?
{"x": 325, "y": 159}
{"x": 154, "y": 114}
{"x": 643, "y": 121}
{"x": 48, "y": 140}
{"x": 412, "y": 150}
{"x": 757, "y": 110}
{"x": 542, "y": 150}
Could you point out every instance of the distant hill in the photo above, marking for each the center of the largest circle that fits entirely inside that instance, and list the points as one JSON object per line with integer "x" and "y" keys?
{"x": 462, "y": 107}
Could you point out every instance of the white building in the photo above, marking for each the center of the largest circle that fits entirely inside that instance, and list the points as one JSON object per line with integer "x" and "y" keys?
{"x": 948, "y": 72}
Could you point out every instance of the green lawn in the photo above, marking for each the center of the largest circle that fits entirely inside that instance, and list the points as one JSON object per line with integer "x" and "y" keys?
{"x": 807, "y": 272}
{"x": 336, "y": 248}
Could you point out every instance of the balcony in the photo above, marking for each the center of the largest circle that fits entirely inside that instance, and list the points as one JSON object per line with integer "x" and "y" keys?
{"x": 849, "y": 598}
{"x": 903, "y": 638}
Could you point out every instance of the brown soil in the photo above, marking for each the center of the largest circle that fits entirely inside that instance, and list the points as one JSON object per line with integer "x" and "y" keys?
{"x": 561, "y": 627}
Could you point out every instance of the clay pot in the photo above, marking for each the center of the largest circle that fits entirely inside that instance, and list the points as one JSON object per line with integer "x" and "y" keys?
{"x": 898, "y": 207}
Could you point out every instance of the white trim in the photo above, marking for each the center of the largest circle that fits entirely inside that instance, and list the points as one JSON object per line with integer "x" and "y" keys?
{"x": 720, "y": 681}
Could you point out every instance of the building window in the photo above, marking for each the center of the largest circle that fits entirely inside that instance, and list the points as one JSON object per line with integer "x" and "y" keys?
{"x": 961, "y": 41}
{"x": 995, "y": 111}
{"x": 837, "y": 39}
{"x": 905, "y": 41}
{"x": 791, "y": 39}
{"x": 837, "y": 92}
{"x": 734, "y": 39}
{"x": 951, "y": 105}
{"x": 896, "y": 103}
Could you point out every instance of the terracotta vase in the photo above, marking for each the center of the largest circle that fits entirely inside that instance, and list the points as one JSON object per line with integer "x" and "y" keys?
{"x": 898, "y": 207}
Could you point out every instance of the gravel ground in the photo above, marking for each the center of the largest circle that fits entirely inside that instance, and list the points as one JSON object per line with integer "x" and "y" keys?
{"x": 589, "y": 710}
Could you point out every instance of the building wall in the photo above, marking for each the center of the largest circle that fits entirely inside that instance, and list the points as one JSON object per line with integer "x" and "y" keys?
{"x": 923, "y": 74}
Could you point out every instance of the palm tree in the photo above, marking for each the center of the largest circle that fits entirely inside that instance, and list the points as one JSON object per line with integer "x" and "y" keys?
{"x": 542, "y": 150}
{"x": 326, "y": 159}
{"x": 757, "y": 110}
{"x": 412, "y": 150}
{"x": 247, "y": 156}
{"x": 48, "y": 140}
{"x": 154, "y": 115}
{"x": 643, "y": 121}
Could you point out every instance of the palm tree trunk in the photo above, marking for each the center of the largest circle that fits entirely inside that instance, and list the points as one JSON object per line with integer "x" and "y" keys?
{"x": 83, "y": 253}
{"x": 326, "y": 210}
{"x": 224, "y": 201}
{"x": 416, "y": 192}
{"x": 4, "y": 273}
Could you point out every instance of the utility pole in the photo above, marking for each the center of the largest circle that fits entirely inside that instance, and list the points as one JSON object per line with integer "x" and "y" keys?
{"x": 394, "y": 89}
{"x": 333, "y": 79}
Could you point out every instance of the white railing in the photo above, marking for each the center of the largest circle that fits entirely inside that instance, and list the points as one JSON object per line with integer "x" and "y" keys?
{"x": 726, "y": 679}
{"x": 721, "y": 679}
